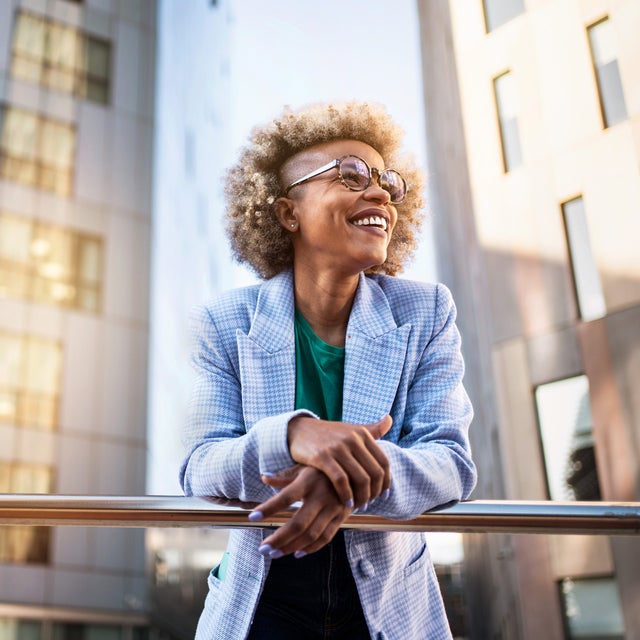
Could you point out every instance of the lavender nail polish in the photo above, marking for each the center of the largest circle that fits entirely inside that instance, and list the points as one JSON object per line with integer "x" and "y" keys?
{"x": 349, "y": 503}
{"x": 256, "y": 516}
{"x": 265, "y": 549}
{"x": 275, "y": 554}
{"x": 385, "y": 494}
{"x": 299, "y": 554}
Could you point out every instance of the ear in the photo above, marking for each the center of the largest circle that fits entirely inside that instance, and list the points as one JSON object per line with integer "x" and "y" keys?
{"x": 285, "y": 213}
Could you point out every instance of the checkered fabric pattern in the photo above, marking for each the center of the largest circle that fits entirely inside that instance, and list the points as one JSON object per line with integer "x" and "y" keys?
{"x": 403, "y": 358}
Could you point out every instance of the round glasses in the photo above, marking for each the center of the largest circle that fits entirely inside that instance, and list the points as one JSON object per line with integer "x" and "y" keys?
{"x": 356, "y": 174}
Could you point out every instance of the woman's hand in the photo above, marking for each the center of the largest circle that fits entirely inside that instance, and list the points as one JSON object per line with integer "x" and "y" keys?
{"x": 314, "y": 524}
{"x": 347, "y": 454}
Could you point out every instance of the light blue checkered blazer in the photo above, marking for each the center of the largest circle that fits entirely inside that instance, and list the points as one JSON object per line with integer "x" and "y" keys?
{"x": 402, "y": 357}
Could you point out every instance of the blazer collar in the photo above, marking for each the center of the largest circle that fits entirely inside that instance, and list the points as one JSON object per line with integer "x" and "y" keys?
{"x": 272, "y": 325}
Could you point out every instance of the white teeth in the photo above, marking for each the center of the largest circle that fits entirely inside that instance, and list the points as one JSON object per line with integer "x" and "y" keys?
{"x": 376, "y": 221}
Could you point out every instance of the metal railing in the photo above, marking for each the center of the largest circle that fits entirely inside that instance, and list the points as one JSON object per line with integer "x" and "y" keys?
{"x": 475, "y": 516}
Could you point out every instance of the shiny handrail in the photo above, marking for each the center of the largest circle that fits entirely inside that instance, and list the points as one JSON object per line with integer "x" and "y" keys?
{"x": 474, "y": 516}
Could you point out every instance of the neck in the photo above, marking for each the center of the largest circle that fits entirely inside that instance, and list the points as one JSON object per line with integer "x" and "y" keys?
{"x": 325, "y": 300}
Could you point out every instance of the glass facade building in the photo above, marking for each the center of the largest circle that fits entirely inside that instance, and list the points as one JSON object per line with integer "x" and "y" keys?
{"x": 77, "y": 96}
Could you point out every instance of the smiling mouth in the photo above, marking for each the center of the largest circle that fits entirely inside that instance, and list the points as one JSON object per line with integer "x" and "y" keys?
{"x": 371, "y": 221}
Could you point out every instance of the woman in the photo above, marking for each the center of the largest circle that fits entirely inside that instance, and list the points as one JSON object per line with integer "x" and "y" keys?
{"x": 333, "y": 383}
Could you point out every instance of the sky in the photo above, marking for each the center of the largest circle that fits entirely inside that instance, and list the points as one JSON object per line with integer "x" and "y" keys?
{"x": 293, "y": 52}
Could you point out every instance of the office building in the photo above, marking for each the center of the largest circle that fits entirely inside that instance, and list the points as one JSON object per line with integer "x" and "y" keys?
{"x": 77, "y": 91}
{"x": 533, "y": 129}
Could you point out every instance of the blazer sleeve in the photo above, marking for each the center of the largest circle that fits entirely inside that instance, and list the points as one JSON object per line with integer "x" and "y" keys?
{"x": 224, "y": 458}
{"x": 431, "y": 460}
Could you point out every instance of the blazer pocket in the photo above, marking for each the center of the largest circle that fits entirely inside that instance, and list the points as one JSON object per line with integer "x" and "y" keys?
{"x": 215, "y": 584}
{"x": 417, "y": 562}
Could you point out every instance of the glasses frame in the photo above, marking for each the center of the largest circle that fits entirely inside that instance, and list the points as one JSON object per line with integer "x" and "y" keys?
{"x": 336, "y": 164}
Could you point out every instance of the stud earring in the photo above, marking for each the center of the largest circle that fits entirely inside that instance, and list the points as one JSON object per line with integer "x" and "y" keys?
{"x": 293, "y": 224}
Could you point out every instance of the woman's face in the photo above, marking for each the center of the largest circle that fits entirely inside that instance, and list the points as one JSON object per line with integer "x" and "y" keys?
{"x": 333, "y": 227}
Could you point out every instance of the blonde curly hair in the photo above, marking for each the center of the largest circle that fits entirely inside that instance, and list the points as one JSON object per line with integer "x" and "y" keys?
{"x": 253, "y": 185}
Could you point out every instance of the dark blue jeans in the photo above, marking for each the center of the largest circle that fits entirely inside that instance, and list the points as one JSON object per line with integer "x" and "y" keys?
{"x": 314, "y": 598}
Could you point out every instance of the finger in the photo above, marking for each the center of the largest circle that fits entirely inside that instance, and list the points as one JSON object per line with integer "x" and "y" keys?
{"x": 339, "y": 477}
{"x": 306, "y": 529}
{"x": 281, "y": 501}
{"x": 383, "y": 463}
{"x": 380, "y": 428}
{"x": 327, "y": 536}
{"x": 293, "y": 533}
{"x": 368, "y": 469}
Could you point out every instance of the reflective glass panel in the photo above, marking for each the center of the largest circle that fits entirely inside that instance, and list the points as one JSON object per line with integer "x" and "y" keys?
{"x": 20, "y": 544}
{"x": 592, "y": 609}
{"x": 49, "y": 264}
{"x": 61, "y": 57}
{"x": 605, "y": 60}
{"x": 497, "y": 12}
{"x": 567, "y": 439}
{"x": 586, "y": 276}
{"x": 507, "y": 105}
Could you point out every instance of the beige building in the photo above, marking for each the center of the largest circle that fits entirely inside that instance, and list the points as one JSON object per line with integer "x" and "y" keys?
{"x": 533, "y": 110}
{"x": 76, "y": 155}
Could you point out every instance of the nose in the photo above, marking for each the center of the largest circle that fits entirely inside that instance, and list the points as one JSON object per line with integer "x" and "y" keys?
{"x": 374, "y": 191}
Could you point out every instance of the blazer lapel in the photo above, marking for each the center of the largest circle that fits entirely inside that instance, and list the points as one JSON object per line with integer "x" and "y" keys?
{"x": 376, "y": 350}
{"x": 267, "y": 353}
{"x": 375, "y": 354}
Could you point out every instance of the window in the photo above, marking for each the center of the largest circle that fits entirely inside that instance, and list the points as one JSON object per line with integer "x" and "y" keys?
{"x": 586, "y": 277}
{"x": 506, "y": 102}
{"x": 49, "y": 264}
{"x": 60, "y": 57}
{"x": 12, "y": 629}
{"x": 567, "y": 439}
{"x": 36, "y": 151}
{"x": 30, "y": 379}
{"x": 497, "y": 12}
{"x": 605, "y": 62}
{"x": 18, "y": 543}
{"x": 592, "y": 609}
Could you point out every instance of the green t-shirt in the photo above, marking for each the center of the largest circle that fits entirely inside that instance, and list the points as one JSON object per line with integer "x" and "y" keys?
{"x": 319, "y": 373}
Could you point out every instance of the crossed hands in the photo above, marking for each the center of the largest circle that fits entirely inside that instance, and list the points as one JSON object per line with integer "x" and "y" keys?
{"x": 339, "y": 466}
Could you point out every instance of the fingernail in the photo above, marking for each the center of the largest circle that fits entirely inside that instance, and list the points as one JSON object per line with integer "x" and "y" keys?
{"x": 364, "y": 507}
{"x": 265, "y": 549}
{"x": 256, "y": 516}
{"x": 268, "y": 474}
{"x": 299, "y": 554}
{"x": 349, "y": 503}
{"x": 275, "y": 554}
{"x": 385, "y": 494}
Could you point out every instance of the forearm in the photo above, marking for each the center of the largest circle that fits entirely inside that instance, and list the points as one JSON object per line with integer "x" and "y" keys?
{"x": 223, "y": 463}
{"x": 423, "y": 478}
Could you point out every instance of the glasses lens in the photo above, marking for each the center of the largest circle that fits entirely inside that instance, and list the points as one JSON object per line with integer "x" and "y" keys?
{"x": 354, "y": 173}
{"x": 394, "y": 183}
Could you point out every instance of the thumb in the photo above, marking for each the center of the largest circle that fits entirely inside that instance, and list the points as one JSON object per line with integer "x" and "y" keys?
{"x": 378, "y": 429}
{"x": 283, "y": 478}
